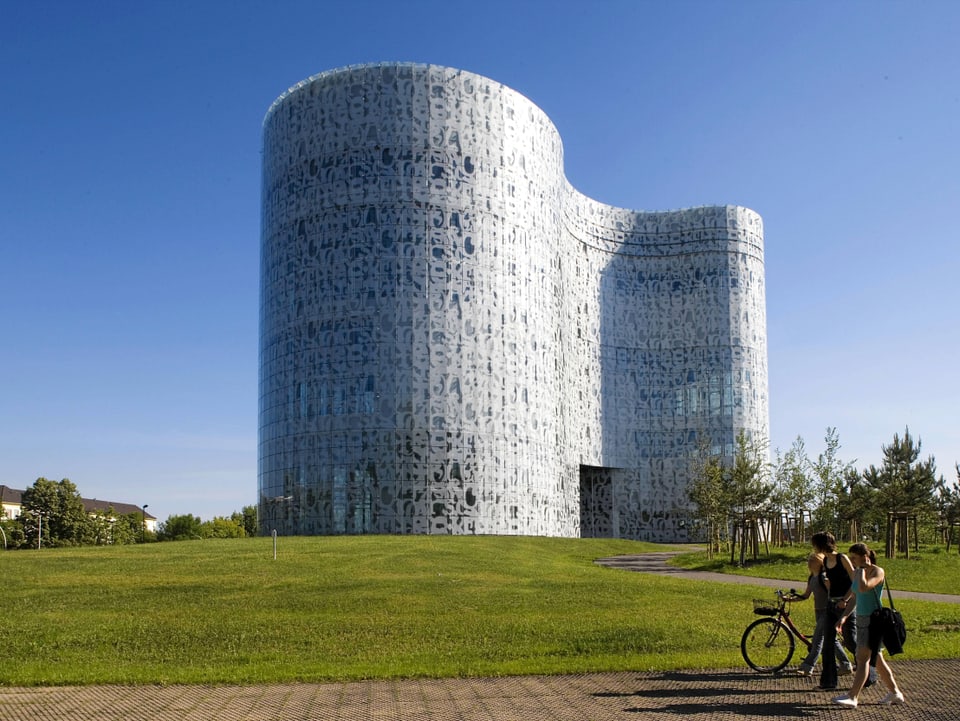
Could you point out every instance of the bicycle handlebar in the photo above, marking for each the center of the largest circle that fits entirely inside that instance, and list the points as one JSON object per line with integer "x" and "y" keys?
{"x": 784, "y": 596}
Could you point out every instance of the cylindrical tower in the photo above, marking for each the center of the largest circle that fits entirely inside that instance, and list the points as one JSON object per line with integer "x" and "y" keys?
{"x": 411, "y": 309}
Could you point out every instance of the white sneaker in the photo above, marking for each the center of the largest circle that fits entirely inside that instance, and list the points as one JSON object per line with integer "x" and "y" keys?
{"x": 804, "y": 671}
{"x": 894, "y": 698}
{"x": 845, "y": 701}
{"x": 844, "y": 671}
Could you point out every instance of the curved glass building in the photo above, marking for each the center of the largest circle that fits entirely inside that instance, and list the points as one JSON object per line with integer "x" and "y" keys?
{"x": 454, "y": 340}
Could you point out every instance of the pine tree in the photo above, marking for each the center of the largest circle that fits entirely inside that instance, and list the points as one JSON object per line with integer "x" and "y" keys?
{"x": 903, "y": 482}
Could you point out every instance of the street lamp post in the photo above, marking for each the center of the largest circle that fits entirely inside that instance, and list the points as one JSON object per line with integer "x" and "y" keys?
{"x": 143, "y": 529}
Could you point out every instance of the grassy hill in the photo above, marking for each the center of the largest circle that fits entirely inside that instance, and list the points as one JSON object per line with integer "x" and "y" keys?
{"x": 371, "y": 607}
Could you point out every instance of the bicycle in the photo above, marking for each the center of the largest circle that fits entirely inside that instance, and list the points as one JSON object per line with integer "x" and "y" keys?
{"x": 768, "y": 643}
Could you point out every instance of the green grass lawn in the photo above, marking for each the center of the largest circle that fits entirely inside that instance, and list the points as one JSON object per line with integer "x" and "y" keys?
{"x": 224, "y": 611}
{"x": 931, "y": 570}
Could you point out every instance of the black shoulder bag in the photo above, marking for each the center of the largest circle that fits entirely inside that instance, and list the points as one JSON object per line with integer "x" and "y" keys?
{"x": 886, "y": 626}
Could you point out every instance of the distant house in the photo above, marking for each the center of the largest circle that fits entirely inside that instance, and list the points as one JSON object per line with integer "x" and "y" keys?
{"x": 11, "y": 502}
{"x": 94, "y": 506}
{"x": 12, "y": 507}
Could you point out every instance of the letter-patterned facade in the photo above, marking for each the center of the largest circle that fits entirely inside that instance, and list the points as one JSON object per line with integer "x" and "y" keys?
{"x": 454, "y": 340}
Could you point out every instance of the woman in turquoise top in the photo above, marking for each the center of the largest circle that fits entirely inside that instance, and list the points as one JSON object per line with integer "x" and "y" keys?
{"x": 867, "y": 587}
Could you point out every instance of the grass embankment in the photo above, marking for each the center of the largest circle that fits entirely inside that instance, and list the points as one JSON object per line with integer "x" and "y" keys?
{"x": 369, "y": 607}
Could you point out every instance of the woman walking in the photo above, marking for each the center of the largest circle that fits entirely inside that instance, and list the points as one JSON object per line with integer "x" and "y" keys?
{"x": 867, "y": 588}
{"x": 837, "y": 577}
{"x": 816, "y": 587}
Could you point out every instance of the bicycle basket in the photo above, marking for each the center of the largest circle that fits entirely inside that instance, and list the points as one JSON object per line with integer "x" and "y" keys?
{"x": 764, "y": 607}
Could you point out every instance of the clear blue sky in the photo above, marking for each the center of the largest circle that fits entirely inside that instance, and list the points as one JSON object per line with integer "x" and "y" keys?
{"x": 129, "y": 203}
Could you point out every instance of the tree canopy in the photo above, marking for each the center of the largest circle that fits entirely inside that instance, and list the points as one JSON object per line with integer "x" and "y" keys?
{"x": 53, "y": 513}
{"x": 725, "y": 491}
{"x": 728, "y": 492}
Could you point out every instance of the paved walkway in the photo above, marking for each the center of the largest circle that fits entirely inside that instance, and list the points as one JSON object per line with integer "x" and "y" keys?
{"x": 657, "y": 563}
{"x": 932, "y": 689}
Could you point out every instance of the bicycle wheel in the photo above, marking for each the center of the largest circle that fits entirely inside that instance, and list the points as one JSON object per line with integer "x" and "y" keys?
{"x": 767, "y": 645}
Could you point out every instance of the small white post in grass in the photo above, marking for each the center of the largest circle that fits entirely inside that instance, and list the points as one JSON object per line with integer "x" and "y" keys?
{"x": 274, "y": 544}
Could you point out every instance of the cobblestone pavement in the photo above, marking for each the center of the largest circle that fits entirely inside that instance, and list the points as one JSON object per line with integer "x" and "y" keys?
{"x": 932, "y": 690}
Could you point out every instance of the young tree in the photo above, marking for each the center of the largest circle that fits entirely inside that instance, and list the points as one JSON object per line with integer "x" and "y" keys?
{"x": 903, "y": 482}
{"x": 749, "y": 484}
{"x": 707, "y": 494}
{"x": 795, "y": 491}
{"x": 728, "y": 490}
{"x": 829, "y": 476}
{"x": 856, "y": 507}
{"x": 951, "y": 498}
{"x": 948, "y": 504}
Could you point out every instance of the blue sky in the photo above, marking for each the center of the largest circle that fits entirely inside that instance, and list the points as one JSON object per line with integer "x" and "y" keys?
{"x": 129, "y": 203}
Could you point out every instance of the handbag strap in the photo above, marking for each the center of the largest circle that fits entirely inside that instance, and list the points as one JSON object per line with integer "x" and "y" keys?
{"x": 889, "y": 595}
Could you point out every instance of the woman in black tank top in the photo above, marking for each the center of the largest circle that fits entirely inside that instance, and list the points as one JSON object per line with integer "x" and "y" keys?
{"x": 837, "y": 577}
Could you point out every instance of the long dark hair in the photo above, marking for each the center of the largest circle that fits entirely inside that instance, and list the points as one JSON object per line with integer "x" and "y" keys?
{"x": 861, "y": 550}
{"x": 824, "y": 542}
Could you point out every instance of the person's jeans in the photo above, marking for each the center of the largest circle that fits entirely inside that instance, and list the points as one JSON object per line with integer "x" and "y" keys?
{"x": 828, "y": 672}
{"x": 817, "y": 643}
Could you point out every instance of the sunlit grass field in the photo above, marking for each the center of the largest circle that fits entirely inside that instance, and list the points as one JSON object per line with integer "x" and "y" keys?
{"x": 224, "y": 611}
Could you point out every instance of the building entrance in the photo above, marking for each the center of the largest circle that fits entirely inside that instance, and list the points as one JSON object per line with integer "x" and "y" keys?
{"x": 597, "y": 511}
